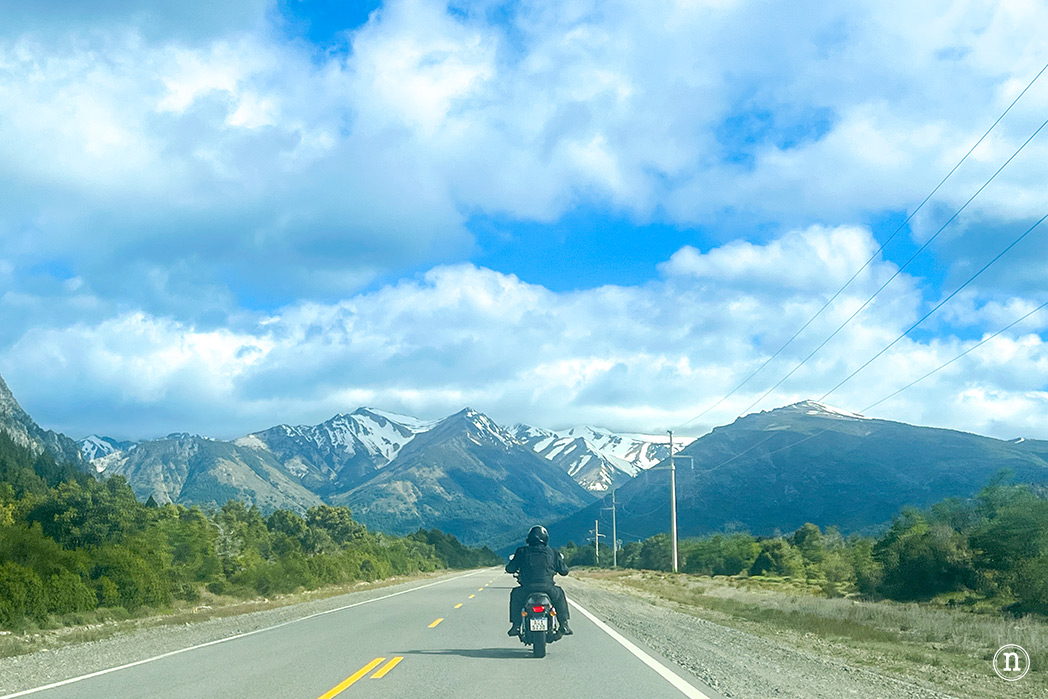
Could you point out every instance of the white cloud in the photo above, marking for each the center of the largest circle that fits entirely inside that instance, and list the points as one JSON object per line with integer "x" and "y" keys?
{"x": 180, "y": 165}
{"x": 632, "y": 357}
{"x": 235, "y": 148}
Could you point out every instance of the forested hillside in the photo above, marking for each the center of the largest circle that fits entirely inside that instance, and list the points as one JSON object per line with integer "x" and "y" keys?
{"x": 71, "y": 546}
{"x": 986, "y": 552}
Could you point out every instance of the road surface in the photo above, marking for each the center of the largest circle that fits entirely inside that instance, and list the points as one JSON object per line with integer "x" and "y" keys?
{"x": 443, "y": 639}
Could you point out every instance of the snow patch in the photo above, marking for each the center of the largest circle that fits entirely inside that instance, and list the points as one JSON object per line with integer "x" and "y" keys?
{"x": 815, "y": 408}
{"x": 251, "y": 442}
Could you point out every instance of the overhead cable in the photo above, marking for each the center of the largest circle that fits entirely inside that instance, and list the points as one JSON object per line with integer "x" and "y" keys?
{"x": 939, "y": 305}
{"x": 889, "y": 396}
{"x": 868, "y": 261}
{"x": 959, "y": 356}
{"x": 900, "y": 270}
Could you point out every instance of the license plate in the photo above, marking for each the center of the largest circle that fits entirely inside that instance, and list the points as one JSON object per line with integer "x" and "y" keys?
{"x": 539, "y": 623}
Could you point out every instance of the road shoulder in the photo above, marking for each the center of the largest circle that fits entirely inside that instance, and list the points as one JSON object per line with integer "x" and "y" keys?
{"x": 733, "y": 662}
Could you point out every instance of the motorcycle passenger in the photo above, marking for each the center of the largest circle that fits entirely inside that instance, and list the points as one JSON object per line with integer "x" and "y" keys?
{"x": 535, "y": 565}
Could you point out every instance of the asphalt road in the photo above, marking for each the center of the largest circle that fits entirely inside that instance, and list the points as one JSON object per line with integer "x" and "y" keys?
{"x": 444, "y": 639}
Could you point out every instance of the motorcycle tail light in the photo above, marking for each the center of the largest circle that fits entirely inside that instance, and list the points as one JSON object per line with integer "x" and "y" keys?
{"x": 538, "y": 609}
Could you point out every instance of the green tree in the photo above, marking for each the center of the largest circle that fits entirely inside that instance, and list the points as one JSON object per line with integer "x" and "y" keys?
{"x": 655, "y": 553}
{"x": 921, "y": 560}
{"x": 778, "y": 557}
{"x": 337, "y": 522}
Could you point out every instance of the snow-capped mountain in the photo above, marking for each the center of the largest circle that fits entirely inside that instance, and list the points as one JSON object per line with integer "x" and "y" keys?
{"x": 469, "y": 477}
{"x": 642, "y": 451}
{"x": 341, "y": 451}
{"x": 598, "y": 459}
{"x": 95, "y": 446}
{"x": 774, "y": 470}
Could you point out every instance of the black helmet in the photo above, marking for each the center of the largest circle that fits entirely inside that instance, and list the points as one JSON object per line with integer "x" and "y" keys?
{"x": 538, "y": 535}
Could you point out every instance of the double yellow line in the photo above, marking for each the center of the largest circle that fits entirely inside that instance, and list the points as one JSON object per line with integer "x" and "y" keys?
{"x": 384, "y": 670}
{"x": 346, "y": 683}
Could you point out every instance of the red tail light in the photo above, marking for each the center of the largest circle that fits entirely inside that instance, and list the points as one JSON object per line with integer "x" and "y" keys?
{"x": 538, "y": 609}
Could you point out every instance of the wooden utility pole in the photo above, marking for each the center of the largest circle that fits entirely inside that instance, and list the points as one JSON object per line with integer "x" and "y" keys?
{"x": 673, "y": 504}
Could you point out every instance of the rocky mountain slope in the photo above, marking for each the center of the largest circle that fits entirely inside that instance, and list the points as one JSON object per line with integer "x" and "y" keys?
{"x": 194, "y": 470}
{"x": 778, "y": 469}
{"x": 599, "y": 460}
{"x": 24, "y": 431}
{"x": 469, "y": 477}
{"x": 341, "y": 452}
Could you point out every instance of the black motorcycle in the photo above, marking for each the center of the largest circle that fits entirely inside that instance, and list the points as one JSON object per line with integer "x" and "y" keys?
{"x": 539, "y": 624}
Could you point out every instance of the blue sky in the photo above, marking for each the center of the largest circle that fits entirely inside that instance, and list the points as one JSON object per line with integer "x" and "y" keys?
{"x": 216, "y": 217}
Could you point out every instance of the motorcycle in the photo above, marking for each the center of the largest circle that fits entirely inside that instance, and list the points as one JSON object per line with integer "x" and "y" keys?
{"x": 539, "y": 624}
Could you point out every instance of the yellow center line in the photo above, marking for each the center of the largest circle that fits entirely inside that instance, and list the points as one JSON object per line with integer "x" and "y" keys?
{"x": 436, "y": 622}
{"x": 344, "y": 685}
{"x": 472, "y": 596}
{"x": 387, "y": 667}
{"x": 480, "y": 589}
{"x": 458, "y": 605}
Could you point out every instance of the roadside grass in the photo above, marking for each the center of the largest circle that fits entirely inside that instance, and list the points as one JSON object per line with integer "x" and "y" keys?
{"x": 105, "y": 622}
{"x": 946, "y": 649}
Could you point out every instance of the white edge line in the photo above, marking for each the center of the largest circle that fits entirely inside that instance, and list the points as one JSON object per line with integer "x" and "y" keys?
{"x": 669, "y": 675}
{"x": 88, "y": 676}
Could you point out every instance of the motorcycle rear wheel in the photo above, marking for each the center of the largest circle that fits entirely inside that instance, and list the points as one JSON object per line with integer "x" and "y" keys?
{"x": 538, "y": 647}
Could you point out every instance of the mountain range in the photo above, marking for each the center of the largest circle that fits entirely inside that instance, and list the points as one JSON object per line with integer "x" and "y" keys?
{"x": 468, "y": 476}
{"x": 766, "y": 472}
{"x": 776, "y": 470}
{"x": 599, "y": 460}
{"x": 463, "y": 474}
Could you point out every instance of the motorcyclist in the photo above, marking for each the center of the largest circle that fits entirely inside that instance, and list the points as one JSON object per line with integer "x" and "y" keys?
{"x": 535, "y": 565}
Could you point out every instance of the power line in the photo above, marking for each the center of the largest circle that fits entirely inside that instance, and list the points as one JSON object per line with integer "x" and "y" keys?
{"x": 959, "y": 356}
{"x": 889, "y": 396}
{"x": 870, "y": 260}
{"x": 972, "y": 278}
{"x": 899, "y": 271}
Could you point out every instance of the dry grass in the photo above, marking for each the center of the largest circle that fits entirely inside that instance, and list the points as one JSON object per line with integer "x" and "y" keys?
{"x": 949, "y": 649}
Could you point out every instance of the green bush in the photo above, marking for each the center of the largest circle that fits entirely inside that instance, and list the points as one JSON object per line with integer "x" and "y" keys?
{"x": 66, "y": 593}
{"x": 22, "y": 595}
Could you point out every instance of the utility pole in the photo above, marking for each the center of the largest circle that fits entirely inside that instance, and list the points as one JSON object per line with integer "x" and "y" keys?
{"x": 673, "y": 504}
{"x": 596, "y": 540}
{"x": 614, "y": 533}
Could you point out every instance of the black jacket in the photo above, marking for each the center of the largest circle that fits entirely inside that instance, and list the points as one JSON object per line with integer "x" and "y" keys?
{"x": 536, "y": 565}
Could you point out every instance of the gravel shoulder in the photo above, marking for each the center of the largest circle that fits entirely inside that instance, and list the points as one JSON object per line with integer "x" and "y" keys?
{"x": 148, "y": 638}
{"x": 733, "y": 662}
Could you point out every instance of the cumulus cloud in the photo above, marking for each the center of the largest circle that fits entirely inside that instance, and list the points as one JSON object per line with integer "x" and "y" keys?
{"x": 631, "y": 357}
{"x": 197, "y": 212}
{"x": 280, "y": 173}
